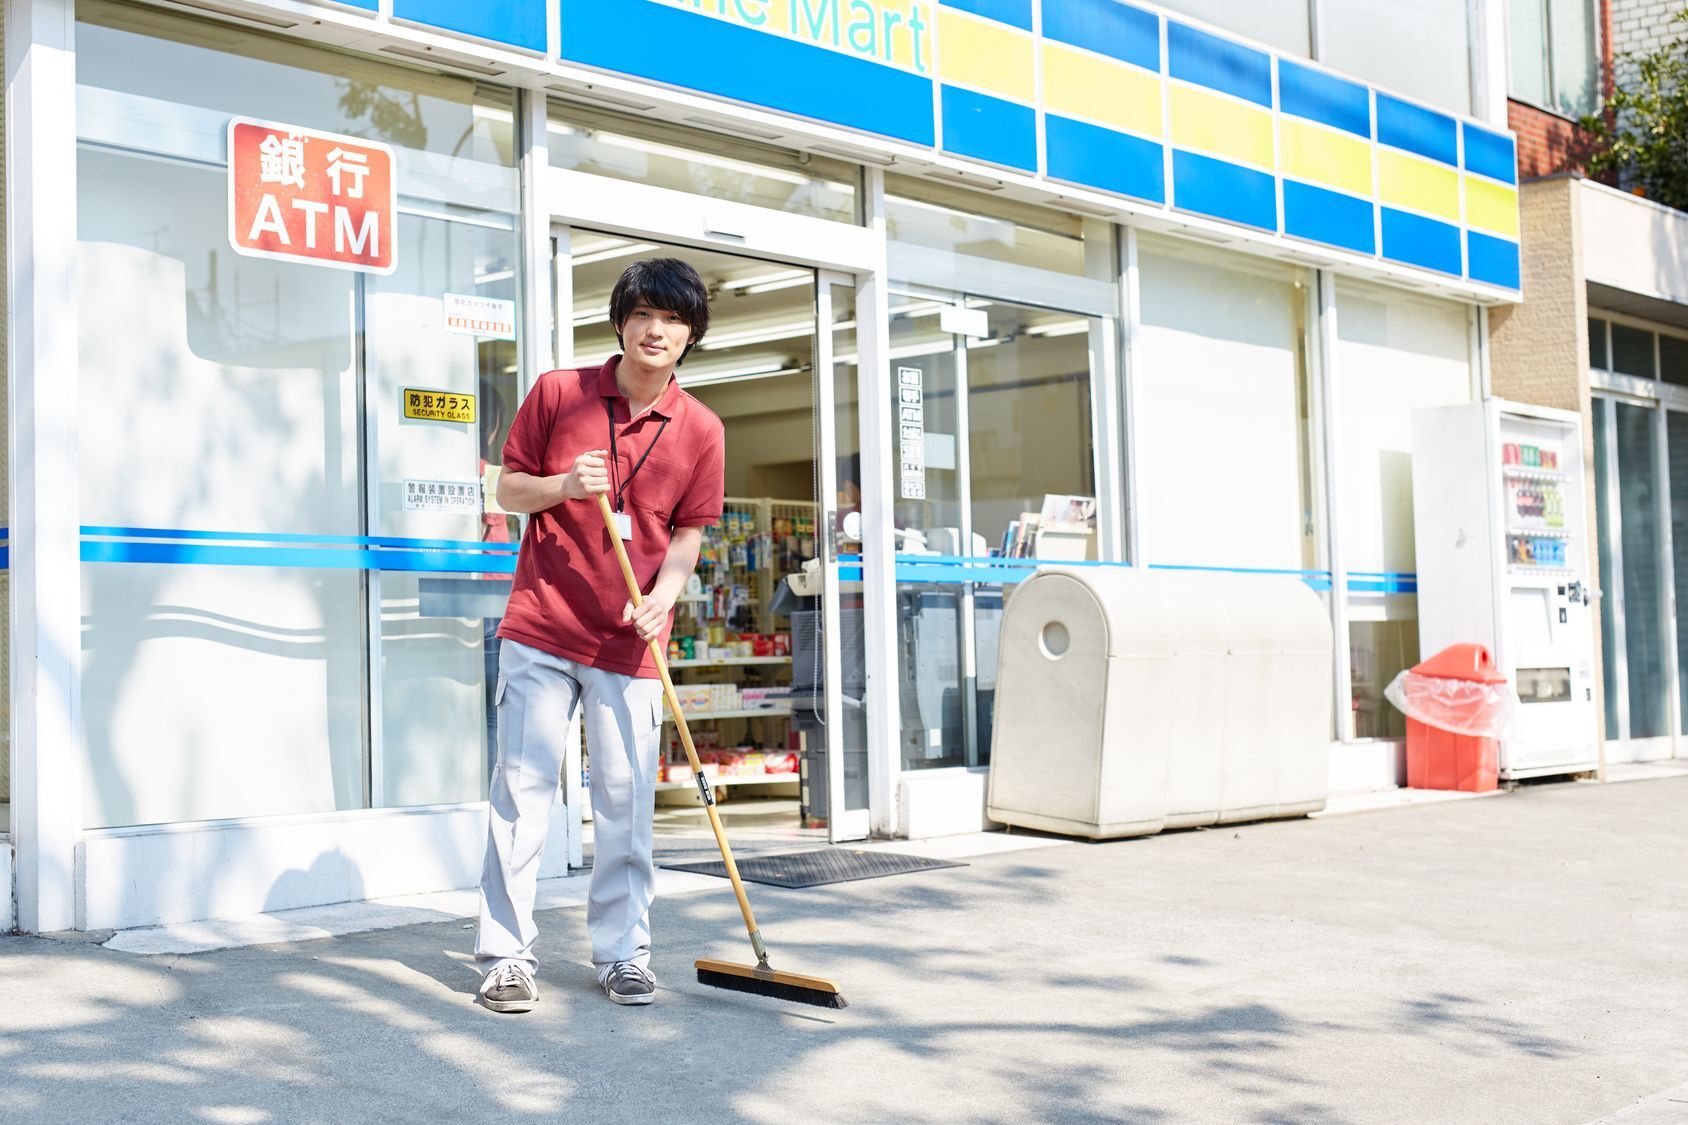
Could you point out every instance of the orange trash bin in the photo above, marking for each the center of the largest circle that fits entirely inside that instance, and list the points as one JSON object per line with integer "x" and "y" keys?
{"x": 1456, "y": 703}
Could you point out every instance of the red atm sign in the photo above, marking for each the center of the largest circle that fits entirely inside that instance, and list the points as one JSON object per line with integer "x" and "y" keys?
{"x": 317, "y": 198}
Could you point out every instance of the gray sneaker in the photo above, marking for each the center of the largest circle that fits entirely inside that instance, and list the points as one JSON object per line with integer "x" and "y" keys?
{"x": 627, "y": 983}
{"x": 508, "y": 988}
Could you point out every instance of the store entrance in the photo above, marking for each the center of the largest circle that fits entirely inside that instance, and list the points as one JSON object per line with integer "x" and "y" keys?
{"x": 767, "y": 650}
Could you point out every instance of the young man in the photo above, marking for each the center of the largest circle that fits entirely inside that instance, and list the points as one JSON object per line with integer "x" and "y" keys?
{"x": 572, "y": 639}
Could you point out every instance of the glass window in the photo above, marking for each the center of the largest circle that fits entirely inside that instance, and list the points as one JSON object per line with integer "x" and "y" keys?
{"x": 1526, "y": 26}
{"x": 226, "y": 404}
{"x": 1575, "y": 56}
{"x": 1280, "y": 23}
{"x": 1642, "y": 605}
{"x": 1395, "y": 353}
{"x": 1028, "y": 437}
{"x": 1420, "y": 48}
{"x": 686, "y": 158}
{"x": 1673, "y": 359}
{"x": 1676, "y": 423}
{"x": 1632, "y": 351}
{"x": 189, "y": 62}
{"x": 1221, "y": 393}
{"x": 930, "y": 519}
{"x": 233, "y": 411}
{"x": 438, "y": 644}
{"x": 1554, "y": 52}
{"x": 1597, "y": 357}
{"x": 1608, "y": 602}
{"x": 967, "y": 223}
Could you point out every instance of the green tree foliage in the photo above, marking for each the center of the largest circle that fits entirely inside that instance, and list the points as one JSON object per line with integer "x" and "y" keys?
{"x": 1643, "y": 135}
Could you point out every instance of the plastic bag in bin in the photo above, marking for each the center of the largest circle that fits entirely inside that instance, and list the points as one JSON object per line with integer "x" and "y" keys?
{"x": 1458, "y": 690}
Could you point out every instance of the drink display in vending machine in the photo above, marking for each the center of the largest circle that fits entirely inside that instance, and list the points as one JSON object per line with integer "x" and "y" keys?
{"x": 1502, "y": 536}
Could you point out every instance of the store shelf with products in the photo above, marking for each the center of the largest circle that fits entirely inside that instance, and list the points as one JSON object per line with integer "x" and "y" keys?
{"x": 741, "y": 713}
{"x": 728, "y": 661}
{"x": 731, "y": 653}
{"x": 729, "y": 783}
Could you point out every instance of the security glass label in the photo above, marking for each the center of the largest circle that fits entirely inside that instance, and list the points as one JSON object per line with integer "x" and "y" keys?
{"x": 438, "y": 406}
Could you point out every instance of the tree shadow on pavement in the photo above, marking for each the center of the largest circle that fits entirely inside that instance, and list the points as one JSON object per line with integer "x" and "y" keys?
{"x": 951, "y": 1018}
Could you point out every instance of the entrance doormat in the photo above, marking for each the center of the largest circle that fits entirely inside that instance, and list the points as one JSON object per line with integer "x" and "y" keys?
{"x": 818, "y": 867}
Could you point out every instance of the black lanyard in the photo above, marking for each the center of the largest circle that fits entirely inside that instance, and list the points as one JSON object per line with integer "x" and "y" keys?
{"x": 615, "y": 463}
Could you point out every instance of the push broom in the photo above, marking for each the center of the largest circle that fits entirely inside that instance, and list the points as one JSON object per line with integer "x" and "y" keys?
{"x": 760, "y": 979}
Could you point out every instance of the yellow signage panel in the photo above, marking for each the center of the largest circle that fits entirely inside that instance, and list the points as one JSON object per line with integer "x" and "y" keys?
{"x": 438, "y": 406}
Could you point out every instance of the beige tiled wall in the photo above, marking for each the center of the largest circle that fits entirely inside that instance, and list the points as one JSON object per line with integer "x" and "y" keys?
{"x": 1538, "y": 350}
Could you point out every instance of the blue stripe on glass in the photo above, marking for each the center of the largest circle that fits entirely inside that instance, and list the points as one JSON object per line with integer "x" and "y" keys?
{"x": 1224, "y": 190}
{"x": 520, "y": 23}
{"x": 1106, "y": 27}
{"x": 1331, "y": 217}
{"x": 1219, "y": 64}
{"x": 995, "y": 570}
{"x": 988, "y": 128}
{"x": 1317, "y": 96}
{"x": 308, "y": 558}
{"x": 101, "y": 532}
{"x": 1015, "y": 12}
{"x": 835, "y": 87}
{"x": 1417, "y": 129}
{"x": 1490, "y": 154}
{"x": 1418, "y": 241}
{"x": 1081, "y": 153}
{"x": 1490, "y": 259}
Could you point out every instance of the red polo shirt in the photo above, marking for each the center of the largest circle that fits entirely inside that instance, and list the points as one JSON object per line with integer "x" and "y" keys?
{"x": 569, "y": 593}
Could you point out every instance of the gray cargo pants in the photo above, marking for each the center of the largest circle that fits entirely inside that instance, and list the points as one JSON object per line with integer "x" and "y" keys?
{"x": 539, "y": 697}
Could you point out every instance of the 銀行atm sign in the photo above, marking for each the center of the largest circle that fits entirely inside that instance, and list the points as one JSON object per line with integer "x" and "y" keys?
{"x": 309, "y": 197}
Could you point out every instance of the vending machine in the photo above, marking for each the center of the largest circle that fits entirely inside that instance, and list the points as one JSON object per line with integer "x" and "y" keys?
{"x": 1502, "y": 532}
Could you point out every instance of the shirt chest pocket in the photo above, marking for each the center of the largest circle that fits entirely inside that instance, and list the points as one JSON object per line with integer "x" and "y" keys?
{"x": 658, "y": 488}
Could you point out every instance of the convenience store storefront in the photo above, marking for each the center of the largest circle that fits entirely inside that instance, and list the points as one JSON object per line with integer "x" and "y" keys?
{"x": 1119, "y": 257}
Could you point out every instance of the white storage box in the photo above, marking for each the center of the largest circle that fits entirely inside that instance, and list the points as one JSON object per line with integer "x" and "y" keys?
{"x": 1130, "y": 700}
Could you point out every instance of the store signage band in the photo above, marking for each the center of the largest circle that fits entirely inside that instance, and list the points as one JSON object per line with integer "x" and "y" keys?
{"x": 301, "y": 195}
{"x": 424, "y": 405}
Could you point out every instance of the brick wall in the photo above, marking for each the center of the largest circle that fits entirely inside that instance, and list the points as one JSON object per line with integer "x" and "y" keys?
{"x": 1640, "y": 27}
{"x": 1547, "y": 142}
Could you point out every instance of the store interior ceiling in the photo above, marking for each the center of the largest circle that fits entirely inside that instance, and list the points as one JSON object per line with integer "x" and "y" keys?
{"x": 755, "y": 366}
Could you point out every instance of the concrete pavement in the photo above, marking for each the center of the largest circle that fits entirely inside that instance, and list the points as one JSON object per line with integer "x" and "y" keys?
{"x": 1522, "y": 958}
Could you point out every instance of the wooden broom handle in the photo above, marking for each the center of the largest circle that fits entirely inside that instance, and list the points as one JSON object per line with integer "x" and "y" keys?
{"x": 679, "y": 718}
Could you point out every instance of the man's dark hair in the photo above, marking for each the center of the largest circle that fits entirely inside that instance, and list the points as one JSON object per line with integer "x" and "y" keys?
{"x": 661, "y": 283}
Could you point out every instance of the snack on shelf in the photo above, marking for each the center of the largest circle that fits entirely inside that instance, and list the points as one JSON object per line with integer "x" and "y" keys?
{"x": 769, "y": 697}
{"x": 693, "y": 697}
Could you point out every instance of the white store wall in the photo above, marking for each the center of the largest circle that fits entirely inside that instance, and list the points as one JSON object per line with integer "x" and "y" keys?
{"x": 1216, "y": 386}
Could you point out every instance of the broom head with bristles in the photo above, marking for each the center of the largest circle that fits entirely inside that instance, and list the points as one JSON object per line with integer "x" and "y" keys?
{"x": 758, "y": 981}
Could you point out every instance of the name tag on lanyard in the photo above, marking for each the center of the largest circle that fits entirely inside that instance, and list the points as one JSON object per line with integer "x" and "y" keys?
{"x": 623, "y": 521}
